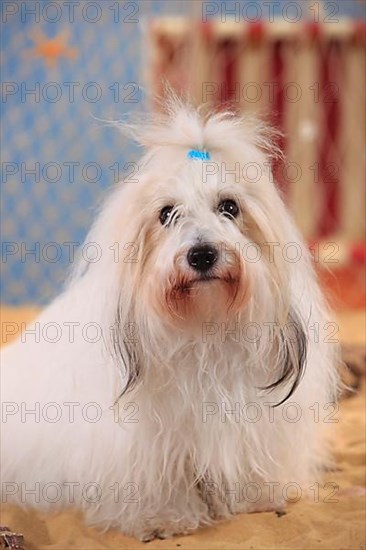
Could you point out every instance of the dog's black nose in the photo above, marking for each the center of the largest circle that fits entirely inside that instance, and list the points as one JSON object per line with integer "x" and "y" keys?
{"x": 202, "y": 257}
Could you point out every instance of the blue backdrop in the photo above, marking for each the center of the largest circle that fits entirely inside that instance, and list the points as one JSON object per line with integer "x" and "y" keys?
{"x": 64, "y": 65}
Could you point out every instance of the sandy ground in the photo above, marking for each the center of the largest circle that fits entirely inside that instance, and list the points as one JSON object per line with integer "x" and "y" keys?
{"x": 335, "y": 520}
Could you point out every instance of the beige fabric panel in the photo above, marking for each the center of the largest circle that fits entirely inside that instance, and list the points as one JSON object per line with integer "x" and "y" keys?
{"x": 353, "y": 132}
{"x": 302, "y": 129}
{"x": 253, "y": 91}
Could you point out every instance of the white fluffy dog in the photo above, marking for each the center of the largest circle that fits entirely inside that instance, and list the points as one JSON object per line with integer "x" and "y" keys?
{"x": 183, "y": 374}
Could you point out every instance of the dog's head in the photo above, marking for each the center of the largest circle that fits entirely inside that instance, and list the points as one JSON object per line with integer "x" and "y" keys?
{"x": 204, "y": 217}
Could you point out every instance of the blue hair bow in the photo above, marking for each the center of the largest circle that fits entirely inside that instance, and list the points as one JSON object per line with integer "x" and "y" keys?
{"x": 198, "y": 155}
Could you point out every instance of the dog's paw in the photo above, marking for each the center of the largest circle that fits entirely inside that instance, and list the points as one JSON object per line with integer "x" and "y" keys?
{"x": 147, "y": 536}
{"x": 277, "y": 506}
{"x": 166, "y": 531}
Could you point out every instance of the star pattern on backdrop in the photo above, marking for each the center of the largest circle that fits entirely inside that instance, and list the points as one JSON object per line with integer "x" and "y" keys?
{"x": 52, "y": 49}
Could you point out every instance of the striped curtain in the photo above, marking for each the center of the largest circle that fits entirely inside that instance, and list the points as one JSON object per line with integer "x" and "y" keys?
{"x": 306, "y": 79}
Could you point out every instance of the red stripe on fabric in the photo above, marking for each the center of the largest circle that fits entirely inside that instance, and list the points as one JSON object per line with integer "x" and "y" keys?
{"x": 277, "y": 103}
{"x": 313, "y": 30}
{"x": 358, "y": 252}
{"x": 206, "y": 30}
{"x": 329, "y": 161}
{"x": 359, "y": 29}
{"x": 228, "y": 81}
{"x": 256, "y": 31}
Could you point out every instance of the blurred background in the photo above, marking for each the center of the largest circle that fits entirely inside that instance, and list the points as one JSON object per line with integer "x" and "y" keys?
{"x": 68, "y": 66}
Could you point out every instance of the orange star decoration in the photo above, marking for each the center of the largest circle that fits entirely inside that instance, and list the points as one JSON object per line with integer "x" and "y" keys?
{"x": 52, "y": 49}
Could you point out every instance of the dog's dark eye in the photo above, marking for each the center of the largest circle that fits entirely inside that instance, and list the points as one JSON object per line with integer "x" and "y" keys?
{"x": 229, "y": 208}
{"x": 165, "y": 214}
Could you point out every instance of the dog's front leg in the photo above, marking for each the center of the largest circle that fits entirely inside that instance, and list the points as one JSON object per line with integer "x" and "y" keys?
{"x": 181, "y": 514}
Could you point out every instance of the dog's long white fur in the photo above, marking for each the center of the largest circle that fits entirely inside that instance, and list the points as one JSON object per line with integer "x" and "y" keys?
{"x": 189, "y": 368}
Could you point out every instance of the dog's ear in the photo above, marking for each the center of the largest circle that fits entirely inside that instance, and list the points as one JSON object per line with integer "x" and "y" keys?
{"x": 291, "y": 349}
{"x": 122, "y": 344}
